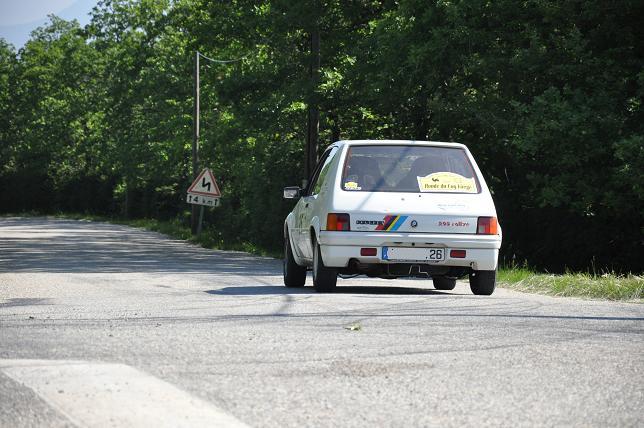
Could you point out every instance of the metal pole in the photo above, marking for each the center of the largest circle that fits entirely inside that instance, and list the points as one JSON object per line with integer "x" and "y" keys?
{"x": 199, "y": 226}
{"x": 196, "y": 226}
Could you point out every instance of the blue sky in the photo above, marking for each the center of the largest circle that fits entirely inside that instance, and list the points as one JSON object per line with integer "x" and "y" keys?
{"x": 19, "y": 17}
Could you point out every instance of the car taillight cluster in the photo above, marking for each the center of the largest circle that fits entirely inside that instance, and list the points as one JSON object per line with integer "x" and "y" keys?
{"x": 487, "y": 226}
{"x": 338, "y": 222}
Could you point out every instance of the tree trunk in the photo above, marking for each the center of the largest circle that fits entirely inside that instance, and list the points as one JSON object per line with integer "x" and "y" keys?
{"x": 422, "y": 117}
{"x": 335, "y": 128}
{"x": 314, "y": 110}
{"x": 127, "y": 203}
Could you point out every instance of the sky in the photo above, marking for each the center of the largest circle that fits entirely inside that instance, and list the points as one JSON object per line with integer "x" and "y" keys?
{"x": 18, "y": 18}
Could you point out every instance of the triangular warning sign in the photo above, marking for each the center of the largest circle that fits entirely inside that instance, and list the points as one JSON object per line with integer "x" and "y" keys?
{"x": 205, "y": 185}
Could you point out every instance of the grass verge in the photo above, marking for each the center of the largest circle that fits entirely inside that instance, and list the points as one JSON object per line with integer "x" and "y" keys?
{"x": 606, "y": 286}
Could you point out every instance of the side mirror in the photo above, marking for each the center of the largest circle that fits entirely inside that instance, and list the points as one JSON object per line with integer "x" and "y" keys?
{"x": 292, "y": 192}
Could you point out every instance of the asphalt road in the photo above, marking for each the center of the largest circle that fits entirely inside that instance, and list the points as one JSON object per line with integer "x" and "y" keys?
{"x": 105, "y": 325}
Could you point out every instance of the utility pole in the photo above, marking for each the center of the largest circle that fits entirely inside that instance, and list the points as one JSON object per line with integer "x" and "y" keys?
{"x": 194, "y": 223}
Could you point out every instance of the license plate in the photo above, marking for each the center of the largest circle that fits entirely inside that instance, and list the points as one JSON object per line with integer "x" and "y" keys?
{"x": 404, "y": 254}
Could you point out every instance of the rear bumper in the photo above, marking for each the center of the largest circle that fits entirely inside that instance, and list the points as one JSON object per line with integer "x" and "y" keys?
{"x": 338, "y": 248}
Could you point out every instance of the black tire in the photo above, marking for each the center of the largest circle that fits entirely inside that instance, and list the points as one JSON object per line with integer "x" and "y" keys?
{"x": 483, "y": 282}
{"x": 324, "y": 278}
{"x": 294, "y": 274}
{"x": 443, "y": 283}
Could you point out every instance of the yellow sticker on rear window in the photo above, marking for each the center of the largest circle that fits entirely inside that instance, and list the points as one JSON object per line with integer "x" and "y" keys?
{"x": 351, "y": 185}
{"x": 446, "y": 182}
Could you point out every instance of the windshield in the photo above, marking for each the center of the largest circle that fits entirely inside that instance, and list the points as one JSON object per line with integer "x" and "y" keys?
{"x": 417, "y": 169}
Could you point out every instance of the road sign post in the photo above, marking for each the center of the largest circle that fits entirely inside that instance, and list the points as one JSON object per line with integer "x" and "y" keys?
{"x": 204, "y": 191}
{"x": 200, "y": 224}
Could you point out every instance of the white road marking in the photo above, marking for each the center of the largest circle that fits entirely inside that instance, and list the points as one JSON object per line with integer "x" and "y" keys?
{"x": 113, "y": 395}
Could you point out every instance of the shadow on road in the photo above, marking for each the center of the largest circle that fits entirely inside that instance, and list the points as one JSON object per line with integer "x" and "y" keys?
{"x": 259, "y": 290}
{"x": 276, "y": 290}
{"x": 25, "y": 301}
{"x": 68, "y": 246}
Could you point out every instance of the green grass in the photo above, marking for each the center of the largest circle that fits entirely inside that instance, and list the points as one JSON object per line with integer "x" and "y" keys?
{"x": 608, "y": 286}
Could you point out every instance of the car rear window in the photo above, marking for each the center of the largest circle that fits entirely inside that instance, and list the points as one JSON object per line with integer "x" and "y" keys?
{"x": 413, "y": 169}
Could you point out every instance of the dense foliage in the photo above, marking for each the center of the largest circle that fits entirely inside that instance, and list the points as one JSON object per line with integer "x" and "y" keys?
{"x": 546, "y": 93}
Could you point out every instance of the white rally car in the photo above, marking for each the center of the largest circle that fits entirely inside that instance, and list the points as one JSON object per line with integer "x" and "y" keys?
{"x": 393, "y": 209}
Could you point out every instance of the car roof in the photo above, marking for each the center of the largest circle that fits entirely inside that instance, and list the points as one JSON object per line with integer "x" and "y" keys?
{"x": 396, "y": 143}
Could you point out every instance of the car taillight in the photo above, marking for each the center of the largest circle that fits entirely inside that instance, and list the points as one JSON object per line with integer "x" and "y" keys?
{"x": 457, "y": 254}
{"x": 368, "y": 251}
{"x": 337, "y": 222}
{"x": 487, "y": 226}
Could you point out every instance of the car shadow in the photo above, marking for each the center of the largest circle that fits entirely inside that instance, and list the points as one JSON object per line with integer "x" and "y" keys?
{"x": 257, "y": 290}
{"x": 441, "y": 312}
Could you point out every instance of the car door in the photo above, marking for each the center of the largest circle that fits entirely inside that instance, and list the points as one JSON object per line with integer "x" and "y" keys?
{"x": 308, "y": 204}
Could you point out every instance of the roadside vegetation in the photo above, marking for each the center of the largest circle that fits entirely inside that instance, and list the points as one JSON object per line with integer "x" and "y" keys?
{"x": 610, "y": 286}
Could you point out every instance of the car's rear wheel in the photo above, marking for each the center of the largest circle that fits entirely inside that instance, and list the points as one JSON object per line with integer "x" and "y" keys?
{"x": 294, "y": 274}
{"x": 324, "y": 278}
{"x": 443, "y": 283}
{"x": 483, "y": 282}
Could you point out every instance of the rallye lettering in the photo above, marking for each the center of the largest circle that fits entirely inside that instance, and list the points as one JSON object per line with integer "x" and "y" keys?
{"x": 453, "y": 223}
